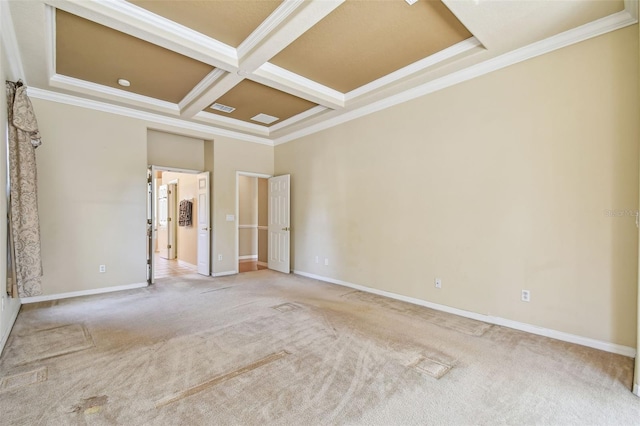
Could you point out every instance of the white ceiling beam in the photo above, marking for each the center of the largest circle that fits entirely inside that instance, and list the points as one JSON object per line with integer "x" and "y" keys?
{"x": 294, "y": 84}
{"x": 269, "y": 39}
{"x": 209, "y": 94}
{"x": 138, "y": 22}
{"x": 288, "y": 22}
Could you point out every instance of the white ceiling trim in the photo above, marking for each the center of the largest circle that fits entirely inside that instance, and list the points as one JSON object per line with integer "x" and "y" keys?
{"x": 221, "y": 120}
{"x": 298, "y": 117}
{"x": 438, "y": 57}
{"x": 131, "y": 19}
{"x": 211, "y": 94}
{"x": 297, "y": 85}
{"x": 143, "y": 115}
{"x": 10, "y": 43}
{"x": 281, "y": 13}
{"x": 601, "y": 26}
{"x": 307, "y": 15}
{"x": 92, "y": 89}
{"x": 201, "y": 87}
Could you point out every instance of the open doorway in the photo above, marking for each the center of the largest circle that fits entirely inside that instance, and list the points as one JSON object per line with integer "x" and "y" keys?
{"x": 175, "y": 219}
{"x": 252, "y": 212}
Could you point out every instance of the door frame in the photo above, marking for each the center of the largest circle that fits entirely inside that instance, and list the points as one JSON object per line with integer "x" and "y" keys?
{"x": 237, "y": 216}
{"x": 153, "y": 236}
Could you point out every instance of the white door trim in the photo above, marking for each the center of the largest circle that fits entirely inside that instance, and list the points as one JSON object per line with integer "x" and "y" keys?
{"x": 155, "y": 168}
{"x": 237, "y": 244}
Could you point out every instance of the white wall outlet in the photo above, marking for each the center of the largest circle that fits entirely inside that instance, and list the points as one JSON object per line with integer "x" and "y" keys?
{"x": 317, "y": 259}
{"x": 438, "y": 283}
{"x": 219, "y": 257}
{"x": 102, "y": 268}
{"x": 526, "y": 296}
{"x": 326, "y": 262}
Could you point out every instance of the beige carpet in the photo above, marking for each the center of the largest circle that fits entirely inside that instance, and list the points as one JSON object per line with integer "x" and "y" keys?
{"x": 263, "y": 348}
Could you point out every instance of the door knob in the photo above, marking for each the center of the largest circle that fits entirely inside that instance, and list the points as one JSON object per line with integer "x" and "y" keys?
{"x": 286, "y": 229}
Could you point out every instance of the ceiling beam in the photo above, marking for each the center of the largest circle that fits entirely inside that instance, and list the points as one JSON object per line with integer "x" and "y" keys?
{"x": 271, "y": 38}
{"x": 138, "y": 22}
{"x": 208, "y": 94}
{"x": 288, "y": 22}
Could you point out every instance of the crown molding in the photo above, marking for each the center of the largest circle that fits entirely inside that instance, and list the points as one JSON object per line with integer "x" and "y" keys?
{"x": 601, "y": 26}
{"x": 142, "y": 115}
{"x": 298, "y": 117}
{"x": 131, "y": 19}
{"x": 111, "y": 93}
{"x": 10, "y": 43}
{"x": 221, "y": 120}
{"x": 448, "y": 53}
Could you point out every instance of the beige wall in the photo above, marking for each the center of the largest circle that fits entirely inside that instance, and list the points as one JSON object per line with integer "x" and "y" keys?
{"x": 229, "y": 157}
{"x": 92, "y": 198}
{"x": 171, "y": 150}
{"x": 186, "y": 236}
{"x": 247, "y": 216}
{"x": 8, "y": 307}
{"x": 495, "y": 185}
{"x": 100, "y": 219}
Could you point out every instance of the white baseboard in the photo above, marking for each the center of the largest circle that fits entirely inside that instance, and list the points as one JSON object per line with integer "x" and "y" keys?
{"x": 636, "y": 389}
{"x": 248, "y": 257}
{"x": 12, "y": 321}
{"x": 224, "y": 274}
{"x": 554, "y": 334}
{"x": 59, "y": 296}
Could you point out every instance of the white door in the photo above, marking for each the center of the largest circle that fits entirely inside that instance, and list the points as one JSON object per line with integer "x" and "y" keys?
{"x": 172, "y": 221}
{"x": 151, "y": 235}
{"x": 204, "y": 227}
{"x": 163, "y": 221}
{"x": 279, "y": 226}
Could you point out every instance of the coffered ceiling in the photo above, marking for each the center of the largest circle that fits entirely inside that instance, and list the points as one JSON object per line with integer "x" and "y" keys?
{"x": 305, "y": 63}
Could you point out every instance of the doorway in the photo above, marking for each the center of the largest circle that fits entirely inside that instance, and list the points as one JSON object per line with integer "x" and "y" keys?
{"x": 178, "y": 209}
{"x": 252, "y": 213}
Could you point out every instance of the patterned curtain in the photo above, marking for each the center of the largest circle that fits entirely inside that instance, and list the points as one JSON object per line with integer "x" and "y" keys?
{"x": 24, "y": 224}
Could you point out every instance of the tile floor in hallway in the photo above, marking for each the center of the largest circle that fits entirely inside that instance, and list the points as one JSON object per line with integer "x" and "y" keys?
{"x": 171, "y": 268}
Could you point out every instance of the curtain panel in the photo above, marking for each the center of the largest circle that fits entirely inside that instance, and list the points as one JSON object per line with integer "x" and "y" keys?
{"x": 24, "y": 224}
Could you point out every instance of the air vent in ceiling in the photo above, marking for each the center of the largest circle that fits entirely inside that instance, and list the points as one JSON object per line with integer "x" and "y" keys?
{"x": 223, "y": 108}
{"x": 265, "y": 118}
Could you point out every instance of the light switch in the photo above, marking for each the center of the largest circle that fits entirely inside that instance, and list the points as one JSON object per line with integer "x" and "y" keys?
{"x": 231, "y": 217}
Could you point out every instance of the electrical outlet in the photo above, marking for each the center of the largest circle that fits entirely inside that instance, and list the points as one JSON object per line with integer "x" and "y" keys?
{"x": 438, "y": 283}
{"x": 317, "y": 259}
{"x": 219, "y": 257}
{"x": 326, "y": 262}
{"x": 526, "y": 296}
{"x": 102, "y": 268}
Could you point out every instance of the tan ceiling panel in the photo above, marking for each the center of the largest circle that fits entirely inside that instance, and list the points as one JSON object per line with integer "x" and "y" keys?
{"x": 227, "y": 21}
{"x": 95, "y": 53}
{"x": 362, "y": 41}
{"x": 251, "y": 98}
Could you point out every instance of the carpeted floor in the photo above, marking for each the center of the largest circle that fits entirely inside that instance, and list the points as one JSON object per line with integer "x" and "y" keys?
{"x": 263, "y": 348}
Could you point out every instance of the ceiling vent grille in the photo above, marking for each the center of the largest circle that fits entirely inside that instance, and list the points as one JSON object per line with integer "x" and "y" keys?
{"x": 223, "y": 108}
{"x": 265, "y": 118}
